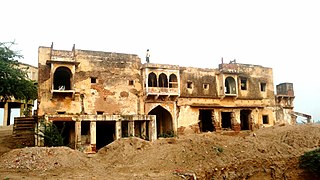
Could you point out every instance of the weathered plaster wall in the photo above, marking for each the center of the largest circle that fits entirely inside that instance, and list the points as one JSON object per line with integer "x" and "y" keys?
{"x": 199, "y": 78}
{"x": 111, "y": 93}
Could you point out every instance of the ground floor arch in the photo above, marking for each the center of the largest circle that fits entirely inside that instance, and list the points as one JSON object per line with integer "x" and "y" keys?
{"x": 163, "y": 121}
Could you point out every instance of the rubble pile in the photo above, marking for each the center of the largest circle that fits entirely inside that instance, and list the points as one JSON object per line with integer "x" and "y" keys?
{"x": 42, "y": 158}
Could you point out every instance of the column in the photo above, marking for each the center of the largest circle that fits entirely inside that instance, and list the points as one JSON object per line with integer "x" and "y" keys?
{"x": 131, "y": 128}
{"x": 152, "y": 129}
{"x": 143, "y": 129}
{"x": 6, "y": 114}
{"x": 118, "y": 129}
{"x": 77, "y": 134}
{"x": 93, "y": 140}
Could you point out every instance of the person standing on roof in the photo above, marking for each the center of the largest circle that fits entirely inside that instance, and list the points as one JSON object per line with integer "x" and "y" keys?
{"x": 148, "y": 56}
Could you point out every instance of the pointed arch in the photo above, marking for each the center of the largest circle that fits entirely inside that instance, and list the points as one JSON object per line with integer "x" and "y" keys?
{"x": 163, "y": 120}
{"x": 152, "y": 80}
{"x": 163, "y": 80}
{"x": 173, "y": 81}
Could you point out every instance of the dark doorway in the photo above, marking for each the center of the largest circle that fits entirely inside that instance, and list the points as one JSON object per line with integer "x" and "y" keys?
{"x": 124, "y": 128}
{"x": 205, "y": 123}
{"x": 105, "y": 133}
{"x": 67, "y": 129}
{"x": 226, "y": 119}
{"x": 245, "y": 119}
{"x": 85, "y": 132}
{"x": 164, "y": 121}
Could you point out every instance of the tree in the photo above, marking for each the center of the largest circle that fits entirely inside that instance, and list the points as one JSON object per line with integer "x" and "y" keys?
{"x": 14, "y": 81}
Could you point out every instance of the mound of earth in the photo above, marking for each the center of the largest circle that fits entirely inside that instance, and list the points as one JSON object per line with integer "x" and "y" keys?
{"x": 268, "y": 153}
{"x": 43, "y": 158}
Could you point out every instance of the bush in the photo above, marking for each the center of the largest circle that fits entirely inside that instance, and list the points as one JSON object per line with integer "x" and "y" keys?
{"x": 310, "y": 161}
{"x": 51, "y": 134}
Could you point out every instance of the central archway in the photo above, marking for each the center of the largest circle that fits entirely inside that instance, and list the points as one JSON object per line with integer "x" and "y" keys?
{"x": 164, "y": 121}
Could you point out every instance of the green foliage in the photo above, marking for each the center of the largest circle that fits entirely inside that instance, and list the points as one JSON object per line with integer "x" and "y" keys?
{"x": 167, "y": 134}
{"x": 310, "y": 161}
{"x": 51, "y": 134}
{"x": 14, "y": 81}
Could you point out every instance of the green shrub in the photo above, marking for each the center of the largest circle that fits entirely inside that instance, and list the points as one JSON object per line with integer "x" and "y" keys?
{"x": 51, "y": 134}
{"x": 310, "y": 161}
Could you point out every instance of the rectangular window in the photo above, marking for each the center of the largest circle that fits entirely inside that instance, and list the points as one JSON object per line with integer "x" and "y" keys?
{"x": 61, "y": 112}
{"x": 131, "y": 82}
{"x": 265, "y": 119}
{"x": 263, "y": 87}
{"x": 243, "y": 84}
{"x": 189, "y": 85}
{"x": 93, "y": 80}
{"x": 205, "y": 86}
{"x": 99, "y": 112}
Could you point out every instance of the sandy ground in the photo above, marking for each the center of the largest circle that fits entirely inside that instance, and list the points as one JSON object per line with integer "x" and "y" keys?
{"x": 268, "y": 153}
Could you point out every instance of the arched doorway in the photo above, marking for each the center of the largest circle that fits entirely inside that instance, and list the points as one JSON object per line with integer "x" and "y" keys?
{"x": 164, "y": 121}
{"x": 62, "y": 79}
{"x": 230, "y": 86}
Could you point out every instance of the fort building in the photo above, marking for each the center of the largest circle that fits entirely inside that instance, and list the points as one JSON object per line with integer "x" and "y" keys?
{"x": 102, "y": 96}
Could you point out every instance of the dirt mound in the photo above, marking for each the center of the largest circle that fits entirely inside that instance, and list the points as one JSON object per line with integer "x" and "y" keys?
{"x": 268, "y": 153}
{"x": 43, "y": 158}
{"x": 122, "y": 148}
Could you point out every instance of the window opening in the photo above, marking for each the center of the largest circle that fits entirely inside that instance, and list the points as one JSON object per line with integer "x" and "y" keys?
{"x": 189, "y": 85}
{"x": 152, "y": 80}
{"x": 263, "y": 87}
{"x": 62, "y": 79}
{"x": 163, "y": 80}
{"x": 93, "y": 80}
{"x": 173, "y": 81}
{"x": 131, "y": 82}
{"x": 205, "y": 86}
{"x": 265, "y": 119}
{"x": 230, "y": 86}
{"x": 243, "y": 84}
{"x": 99, "y": 112}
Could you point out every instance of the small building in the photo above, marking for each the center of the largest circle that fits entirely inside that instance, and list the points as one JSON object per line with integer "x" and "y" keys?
{"x": 103, "y": 96}
{"x": 32, "y": 73}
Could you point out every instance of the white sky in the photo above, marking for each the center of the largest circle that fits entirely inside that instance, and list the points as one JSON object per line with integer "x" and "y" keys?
{"x": 281, "y": 34}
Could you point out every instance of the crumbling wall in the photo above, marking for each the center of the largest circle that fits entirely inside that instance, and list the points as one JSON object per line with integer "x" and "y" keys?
{"x": 203, "y": 82}
{"x": 101, "y": 82}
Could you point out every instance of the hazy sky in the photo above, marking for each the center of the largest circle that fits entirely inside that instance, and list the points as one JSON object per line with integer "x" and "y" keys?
{"x": 281, "y": 34}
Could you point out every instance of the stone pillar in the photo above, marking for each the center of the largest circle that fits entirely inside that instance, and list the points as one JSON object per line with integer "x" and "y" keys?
{"x": 6, "y": 114}
{"x": 143, "y": 129}
{"x": 131, "y": 128}
{"x": 118, "y": 129}
{"x": 93, "y": 141}
{"x": 22, "y": 110}
{"x": 234, "y": 124}
{"x": 152, "y": 130}
{"x": 215, "y": 122}
{"x": 77, "y": 134}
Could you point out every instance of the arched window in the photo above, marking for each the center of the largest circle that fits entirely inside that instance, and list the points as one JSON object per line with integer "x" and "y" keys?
{"x": 163, "y": 80}
{"x": 152, "y": 80}
{"x": 173, "y": 81}
{"x": 230, "y": 86}
{"x": 62, "y": 79}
